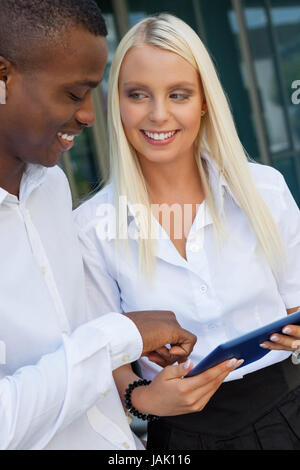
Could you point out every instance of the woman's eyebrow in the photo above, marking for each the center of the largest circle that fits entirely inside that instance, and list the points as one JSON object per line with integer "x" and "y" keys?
{"x": 184, "y": 85}
{"x": 134, "y": 84}
{"x": 179, "y": 85}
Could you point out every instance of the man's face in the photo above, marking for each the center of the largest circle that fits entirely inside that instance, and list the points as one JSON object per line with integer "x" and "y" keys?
{"x": 47, "y": 107}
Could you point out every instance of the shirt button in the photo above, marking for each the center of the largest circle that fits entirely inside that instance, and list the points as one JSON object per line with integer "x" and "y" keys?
{"x": 126, "y": 445}
{"x": 203, "y": 289}
{"x": 106, "y": 392}
{"x": 126, "y": 358}
{"x": 44, "y": 270}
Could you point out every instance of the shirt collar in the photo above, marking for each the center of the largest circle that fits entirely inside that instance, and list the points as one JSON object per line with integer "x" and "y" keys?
{"x": 218, "y": 182}
{"x": 32, "y": 178}
{"x": 3, "y": 195}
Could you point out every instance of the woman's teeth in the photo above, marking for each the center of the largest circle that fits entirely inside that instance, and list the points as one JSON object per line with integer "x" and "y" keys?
{"x": 159, "y": 136}
{"x": 69, "y": 138}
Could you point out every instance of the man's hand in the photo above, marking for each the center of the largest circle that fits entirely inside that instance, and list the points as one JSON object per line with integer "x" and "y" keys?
{"x": 159, "y": 328}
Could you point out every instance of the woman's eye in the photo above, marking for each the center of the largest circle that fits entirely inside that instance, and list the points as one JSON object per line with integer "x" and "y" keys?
{"x": 179, "y": 96}
{"x": 137, "y": 96}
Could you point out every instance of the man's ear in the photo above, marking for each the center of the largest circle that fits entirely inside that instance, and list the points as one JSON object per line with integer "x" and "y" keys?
{"x": 6, "y": 68}
{"x": 2, "y": 92}
{"x": 3, "y": 80}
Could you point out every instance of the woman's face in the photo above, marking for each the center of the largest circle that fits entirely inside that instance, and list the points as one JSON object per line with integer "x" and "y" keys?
{"x": 160, "y": 101}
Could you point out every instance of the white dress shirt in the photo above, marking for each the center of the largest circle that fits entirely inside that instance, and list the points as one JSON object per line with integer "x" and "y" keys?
{"x": 215, "y": 296}
{"x": 56, "y": 385}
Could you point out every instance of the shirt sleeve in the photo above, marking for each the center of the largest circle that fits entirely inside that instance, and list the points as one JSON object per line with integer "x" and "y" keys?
{"x": 38, "y": 401}
{"x": 289, "y": 224}
{"x": 103, "y": 291}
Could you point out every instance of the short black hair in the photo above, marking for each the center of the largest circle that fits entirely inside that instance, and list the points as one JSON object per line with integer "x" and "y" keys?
{"x": 25, "y": 24}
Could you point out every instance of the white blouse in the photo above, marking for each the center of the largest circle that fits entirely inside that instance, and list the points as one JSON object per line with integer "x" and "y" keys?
{"x": 217, "y": 296}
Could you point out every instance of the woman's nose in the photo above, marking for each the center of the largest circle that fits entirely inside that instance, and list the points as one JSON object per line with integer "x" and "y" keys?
{"x": 159, "y": 111}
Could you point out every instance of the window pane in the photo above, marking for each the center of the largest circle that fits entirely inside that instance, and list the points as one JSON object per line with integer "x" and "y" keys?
{"x": 139, "y": 9}
{"x": 227, "y": 49}
{"x": 267, "y": 78}
{"x": 286, "y": 166}
{"x": 286, "y": 21}
{"x": 113, "y": 41}
{"x": 83, "y": 164}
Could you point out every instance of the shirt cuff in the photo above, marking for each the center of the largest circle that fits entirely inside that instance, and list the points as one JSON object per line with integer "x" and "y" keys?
{"x": 124, "y": 339}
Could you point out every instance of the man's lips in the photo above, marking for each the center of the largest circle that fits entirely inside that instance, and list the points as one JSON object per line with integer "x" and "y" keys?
{"x": 66, "y": 139}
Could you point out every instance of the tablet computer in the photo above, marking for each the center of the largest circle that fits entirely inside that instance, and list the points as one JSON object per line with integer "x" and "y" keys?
{"x": 245, "y": 347}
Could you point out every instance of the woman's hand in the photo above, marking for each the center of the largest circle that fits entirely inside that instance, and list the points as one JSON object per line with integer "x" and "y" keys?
{"x": 289, "y": 341}
{"x": 170, "y": 395}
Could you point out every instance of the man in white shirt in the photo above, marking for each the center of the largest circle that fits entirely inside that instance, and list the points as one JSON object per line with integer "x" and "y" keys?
{"x": 56, "y": 386}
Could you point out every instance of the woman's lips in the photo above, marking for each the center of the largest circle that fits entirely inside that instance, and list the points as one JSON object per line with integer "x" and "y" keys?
{"x": 159, "y": 142}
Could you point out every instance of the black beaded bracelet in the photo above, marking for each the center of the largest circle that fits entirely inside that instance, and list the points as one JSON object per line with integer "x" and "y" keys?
{"x": 128, "y": 404}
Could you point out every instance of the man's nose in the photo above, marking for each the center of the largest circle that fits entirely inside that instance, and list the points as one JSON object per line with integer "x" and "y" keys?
{"x": 159, "y": 112}
{"x": 85, "y": 115}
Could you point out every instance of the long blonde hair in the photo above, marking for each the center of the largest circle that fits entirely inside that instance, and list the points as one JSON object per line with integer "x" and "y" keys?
{"x": 217, "y": 137}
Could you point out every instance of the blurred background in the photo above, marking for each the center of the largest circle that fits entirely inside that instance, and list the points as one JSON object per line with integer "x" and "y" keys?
{"x": 255, "y": 46}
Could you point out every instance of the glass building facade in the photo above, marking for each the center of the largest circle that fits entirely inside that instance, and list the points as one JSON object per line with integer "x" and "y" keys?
{"x": 255, "y": 46}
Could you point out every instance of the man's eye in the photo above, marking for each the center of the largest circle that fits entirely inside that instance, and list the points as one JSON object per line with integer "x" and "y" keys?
{"x": 75, "y": 98}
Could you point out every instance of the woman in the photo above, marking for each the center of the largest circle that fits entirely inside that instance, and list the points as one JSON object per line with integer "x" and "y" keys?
{"x": 188, "y": 224}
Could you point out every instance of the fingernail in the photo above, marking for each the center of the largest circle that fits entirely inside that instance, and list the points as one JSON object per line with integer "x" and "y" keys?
{"x": 187, "y": 363}
{"x": 296, "y": 345}
{"x": 239, "y": 363}
{"x": 264, "y": 346}
{"x": 231, "y": 363}
{"x": 274, "y": 338}
{"x": 287, "y": 330}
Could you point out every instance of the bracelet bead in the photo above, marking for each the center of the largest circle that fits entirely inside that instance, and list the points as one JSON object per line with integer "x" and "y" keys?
{"x": 128, "y": 404}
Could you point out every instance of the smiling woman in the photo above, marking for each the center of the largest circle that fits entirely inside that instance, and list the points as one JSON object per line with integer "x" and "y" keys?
{"x": 141, "y": 98}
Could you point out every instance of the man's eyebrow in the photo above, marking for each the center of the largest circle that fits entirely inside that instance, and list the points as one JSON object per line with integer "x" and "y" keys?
{"x": 85, "y": 83}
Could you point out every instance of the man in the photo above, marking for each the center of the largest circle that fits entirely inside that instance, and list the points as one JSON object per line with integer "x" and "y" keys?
{"x": 53, "y": 53}
{"x": 57, "y": 372}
